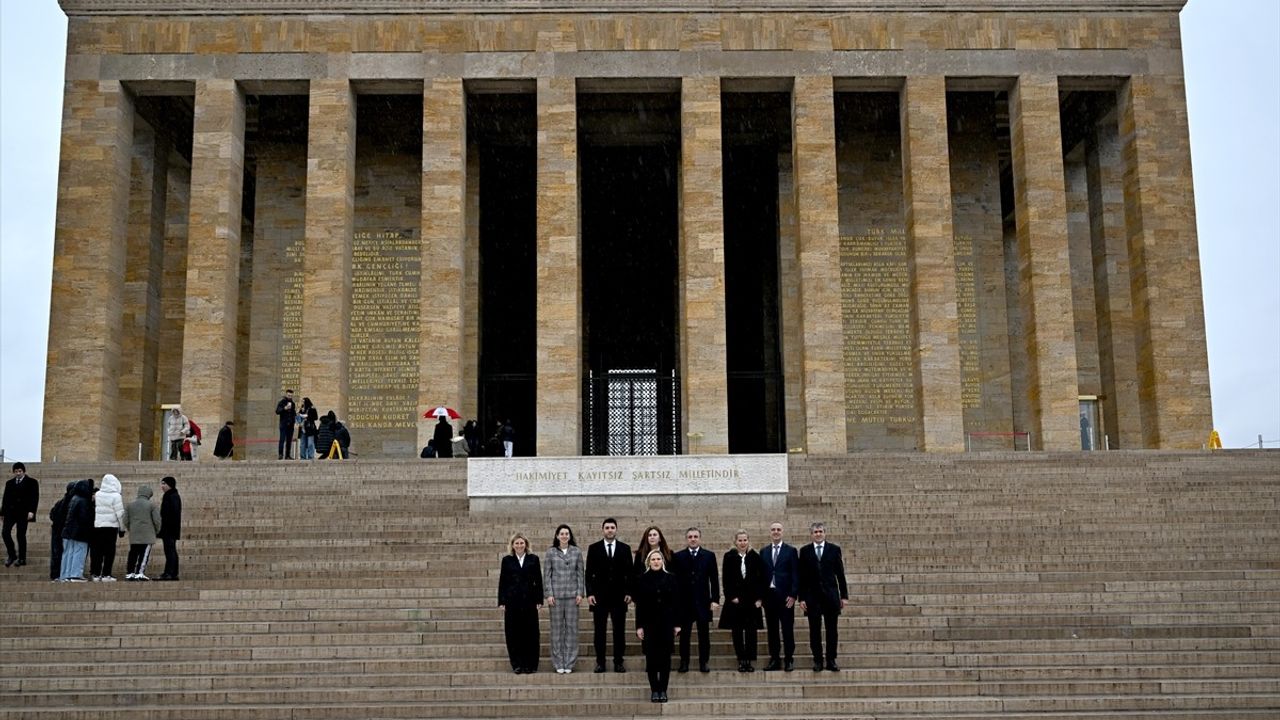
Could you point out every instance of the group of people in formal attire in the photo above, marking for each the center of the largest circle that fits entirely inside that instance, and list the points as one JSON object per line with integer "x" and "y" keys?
{"x": 675, "y": 595}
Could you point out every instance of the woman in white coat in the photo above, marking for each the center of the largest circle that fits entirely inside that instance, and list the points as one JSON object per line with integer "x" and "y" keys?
{"x": 108, "y": 524}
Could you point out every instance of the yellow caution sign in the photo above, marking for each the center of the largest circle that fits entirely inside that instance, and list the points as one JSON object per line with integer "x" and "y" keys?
{"x": 1215, "y": 440}
{"x": 335, "y": 451}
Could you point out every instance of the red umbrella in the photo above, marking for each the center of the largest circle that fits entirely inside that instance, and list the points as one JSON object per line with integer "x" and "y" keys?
{"x": 442, "y": 411}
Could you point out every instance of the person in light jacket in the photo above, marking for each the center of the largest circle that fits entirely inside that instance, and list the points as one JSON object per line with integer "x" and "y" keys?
{"x": 108, "y": 524}
{"x": 564, "y": 584}
{"x": 142, "y": 520}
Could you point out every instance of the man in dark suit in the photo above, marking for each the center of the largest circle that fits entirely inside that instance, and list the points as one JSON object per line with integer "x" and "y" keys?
{"x": 21, "y": 496}
{"x": 823, "y": 594}
{"x": 608, "y": 592}
{"x": 781, "y": 563}
{"x": 695, "y": 570}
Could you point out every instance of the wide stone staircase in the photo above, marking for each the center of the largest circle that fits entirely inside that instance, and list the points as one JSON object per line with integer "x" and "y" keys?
{"x": 1028, "y": 585}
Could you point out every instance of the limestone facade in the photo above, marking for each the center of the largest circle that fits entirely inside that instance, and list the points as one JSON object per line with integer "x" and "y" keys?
{"x": 963, "y": 252}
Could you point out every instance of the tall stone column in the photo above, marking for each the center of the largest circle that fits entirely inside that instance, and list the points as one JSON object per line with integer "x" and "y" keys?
{"x": 926, "y": 185}
{"x": 444, "y": 185}
{"x": 1164, "y": 263}
{"x": 1044, "y": 265}
{"x": 90, "y": 245}
{"x": 704, "y": 373}
{"x": 1121, "y": 406}
{"x": 818, "y": 242}
{"x": 559, "y": 292}
{"x": 326, "y": 284}
{"x": 213, "y": 255}
{"x": 148, "y": 186}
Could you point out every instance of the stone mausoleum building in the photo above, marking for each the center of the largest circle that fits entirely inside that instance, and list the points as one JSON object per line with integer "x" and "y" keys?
{"x": 629, "y": 226}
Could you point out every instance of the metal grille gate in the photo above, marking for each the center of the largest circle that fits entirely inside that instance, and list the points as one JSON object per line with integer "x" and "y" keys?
{"x": 631, "y": 412}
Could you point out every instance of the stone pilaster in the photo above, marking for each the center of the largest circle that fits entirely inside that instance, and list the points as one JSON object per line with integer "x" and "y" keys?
{"x": 818, "y": 245}
{"x": 326, "y": 289}
{"x": 1044, "y": 265}
{"x": 139, "y": 338}
{"x": 1164, "y": 263}
{"x": 789, "y": 303}
{"x": 213, "y": 255}
{"x": 926, "y": 185}
{"x": 1121, "y": 406}
{"x": 173, "y": 292}
{"x": 559, "y": 292}
{"x": 90, "y": 246}
{"x": 444, "y": 186}
{"x": 703, "y": 345}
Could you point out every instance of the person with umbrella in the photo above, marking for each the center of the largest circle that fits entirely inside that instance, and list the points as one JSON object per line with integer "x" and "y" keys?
{"x": 443, "y": 438}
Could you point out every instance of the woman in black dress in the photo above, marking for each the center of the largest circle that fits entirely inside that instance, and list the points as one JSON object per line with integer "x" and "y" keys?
{"x": 657, "y": 605}
{"x": 744, "y": 585}
{"x": 519, "y": 597}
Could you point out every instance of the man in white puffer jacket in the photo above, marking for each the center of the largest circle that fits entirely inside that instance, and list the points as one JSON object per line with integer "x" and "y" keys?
{"x": 108, "y": 524}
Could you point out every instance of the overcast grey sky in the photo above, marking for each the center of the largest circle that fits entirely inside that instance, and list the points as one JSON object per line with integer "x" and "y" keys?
{"x": 1232, "y": 58}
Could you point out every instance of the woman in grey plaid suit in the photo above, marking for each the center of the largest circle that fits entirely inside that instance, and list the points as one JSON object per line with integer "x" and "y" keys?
{"x": 564, "y": 584}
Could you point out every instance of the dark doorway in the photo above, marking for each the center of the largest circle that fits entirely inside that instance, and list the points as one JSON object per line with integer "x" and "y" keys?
{"x": 756, "y": 131}
{"x": 501, "y": 137}
{"x": 629, "y": 154}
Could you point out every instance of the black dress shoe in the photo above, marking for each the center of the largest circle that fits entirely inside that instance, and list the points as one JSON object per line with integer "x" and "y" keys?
{"x": 773, "y": 665}
{"x": 662, "y": 697}
{"x": 748, "y": 668}
{"x": 702, "y": 667}
{"x": 10, "y": 561}
{"x": 684, "y": 668}
{"x": 791, "y": 665}
{"x": 518, "y": 671}
{"x": 817, "y": 667}
{"x": 619, "y": 667}
{"x": 599, "y": 667}
{"x": 742, "y": 667}
{"x": 833, "y": 667}
{"x": 653, "y": 697}
{"x": 20, "y": 563}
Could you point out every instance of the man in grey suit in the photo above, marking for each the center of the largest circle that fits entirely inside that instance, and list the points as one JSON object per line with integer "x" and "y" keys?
{"x": 823, "y": 594}
{"x": 781, "y": 563}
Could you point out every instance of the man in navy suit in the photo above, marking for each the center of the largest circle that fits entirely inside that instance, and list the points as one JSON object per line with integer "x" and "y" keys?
{"x": 781, "y": 563}
{"x": 823, "y": 594}
{"x": 695, "y": 570}
{"x": 608, "y": 580}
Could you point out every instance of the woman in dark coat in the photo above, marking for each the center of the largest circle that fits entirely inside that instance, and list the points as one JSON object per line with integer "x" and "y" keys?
{"x": 444, "y": 438}
{"x": 744, "y": 585}
{"x": 519, "y": 597}
{"x": 324, "y": 435}
{"x": 76, "y": 532}
{"x": 657, "y": 607}
{"x": 651, "y": 539}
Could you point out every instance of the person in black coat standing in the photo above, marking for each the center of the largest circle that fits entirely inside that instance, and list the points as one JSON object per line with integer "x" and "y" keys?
{"x": 519, "y": 597}
{"x": 695, "y": 569}
{"x": 58, "y": 516}
{"x": 744, "y": 586}
{"x": 608, "y": 592}
{"x": 77, "y": 531}
{"x": 288, "y": 413}
{"x": 18, "y": 506}
{"x": 443, "y": 438}
{"x": 170, "y": 526}
{"x": 226, "y": 443}
{"x": 658, "y": 609}
{"x": 823, "y": 594}
{"x": 782, "y": 590}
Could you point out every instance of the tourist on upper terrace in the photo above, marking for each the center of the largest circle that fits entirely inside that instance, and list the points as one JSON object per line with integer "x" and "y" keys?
{"x": 288, "y": 415}
{"x": 142, "y": 520}
{"x": 471, "y": 433}
{"x": 342, "y": 435}
{"x": 108, "y": 524}
{"x": 18, "y": 507}
{"x": 308, "y": 421}
{"x": 695, "y": 569}
{"x": 508, "y": 438}
{"x": 519, "y": 598}
{"x": 782, "y": 588}
{"x": 77, "y": 532}
{"x": 226, "y": 442}
{"x": 608, "y": 581}
{"x": 564, "y": 586}
{"x": 823, "y": 594}
{"x": 651, "y": 539}
{"x": 177, "y": 427}
{"x": 58, "y": 516}
{"x": 324, "y": 435}
{"x": 170, "y": 526}
{"x": 744, "y": 586}
{"x": 443, "y": 438}
{"x": 658, "y": 610}
{"x": 191, "y": 446}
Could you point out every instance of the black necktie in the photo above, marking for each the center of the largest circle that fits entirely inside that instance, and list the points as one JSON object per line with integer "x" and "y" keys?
{"x": 819, "y": 553}
{"x": 610, "y": 547}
